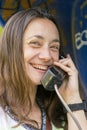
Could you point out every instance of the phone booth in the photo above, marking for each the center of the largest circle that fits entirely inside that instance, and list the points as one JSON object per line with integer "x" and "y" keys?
{"x": 79, "y": 39}
{"x": 72, "y": 18}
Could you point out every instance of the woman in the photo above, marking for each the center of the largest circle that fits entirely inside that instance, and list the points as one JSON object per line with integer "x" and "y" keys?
{"x": 30, "y": 44}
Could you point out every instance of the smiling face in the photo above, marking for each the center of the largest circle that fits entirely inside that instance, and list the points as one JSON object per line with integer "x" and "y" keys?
{"x": 40, "y": 47}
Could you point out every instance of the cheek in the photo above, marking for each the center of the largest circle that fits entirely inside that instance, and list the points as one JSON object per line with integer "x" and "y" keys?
{"x": 28, "y": 53}
{"x": 55, "y": 56}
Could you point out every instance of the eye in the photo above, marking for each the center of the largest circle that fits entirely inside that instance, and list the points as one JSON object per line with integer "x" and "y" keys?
{"x": 54, "y": 47}
{"x": 35, "y": 44}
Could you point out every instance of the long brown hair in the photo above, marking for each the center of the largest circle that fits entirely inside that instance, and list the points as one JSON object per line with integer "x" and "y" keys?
{"x": 15, "y": 86}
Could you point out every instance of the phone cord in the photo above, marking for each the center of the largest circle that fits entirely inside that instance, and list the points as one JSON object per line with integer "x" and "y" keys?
{"x": 67, "y": 108}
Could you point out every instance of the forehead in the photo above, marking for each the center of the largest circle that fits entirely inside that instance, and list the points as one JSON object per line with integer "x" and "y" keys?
{"x": 41, "y": 26}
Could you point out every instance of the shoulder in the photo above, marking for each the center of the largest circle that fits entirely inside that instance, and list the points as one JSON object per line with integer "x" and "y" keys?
{"x": 6, "y": 122}
{"x": 2, "y": 119}
{"x": 2, "y": 113}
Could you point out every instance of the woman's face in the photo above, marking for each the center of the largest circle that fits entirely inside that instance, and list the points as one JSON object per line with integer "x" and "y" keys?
{"x": 40, "y": 47}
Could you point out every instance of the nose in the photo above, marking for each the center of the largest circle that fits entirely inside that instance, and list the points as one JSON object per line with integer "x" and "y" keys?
{"x": 45, "y": 54}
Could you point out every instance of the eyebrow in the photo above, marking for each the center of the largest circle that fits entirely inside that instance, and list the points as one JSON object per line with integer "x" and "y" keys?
{"x": 41, "y": 37}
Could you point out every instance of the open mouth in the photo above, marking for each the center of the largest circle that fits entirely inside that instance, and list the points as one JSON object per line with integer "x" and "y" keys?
{"x": 40, "y": 67}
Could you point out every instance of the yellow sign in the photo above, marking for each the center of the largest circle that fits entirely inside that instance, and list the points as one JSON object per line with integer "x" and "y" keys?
{"x": 1, "y": 29}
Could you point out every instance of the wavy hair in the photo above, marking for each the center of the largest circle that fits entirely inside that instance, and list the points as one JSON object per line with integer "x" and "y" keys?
{"x": 15, "y": 85}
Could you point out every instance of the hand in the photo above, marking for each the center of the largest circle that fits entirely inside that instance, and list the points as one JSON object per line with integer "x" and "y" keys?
{"x": 70, "y": 87}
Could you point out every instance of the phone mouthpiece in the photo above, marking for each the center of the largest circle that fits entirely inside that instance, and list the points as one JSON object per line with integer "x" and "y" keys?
{"x": 54, "y": 75}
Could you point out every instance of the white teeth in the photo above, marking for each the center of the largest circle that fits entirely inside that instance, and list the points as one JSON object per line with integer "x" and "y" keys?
{"x": 40, "y": 67}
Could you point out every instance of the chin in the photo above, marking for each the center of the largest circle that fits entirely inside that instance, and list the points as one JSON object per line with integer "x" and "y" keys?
{"x": 36, "y": 83}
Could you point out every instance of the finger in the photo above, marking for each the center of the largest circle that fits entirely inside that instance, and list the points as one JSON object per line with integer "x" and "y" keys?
{"x": 65, "y": 68}
{"x": 67, "y": 62}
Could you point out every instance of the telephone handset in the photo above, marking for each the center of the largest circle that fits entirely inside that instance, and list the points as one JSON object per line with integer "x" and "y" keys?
{"x": 54, "y": 75}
